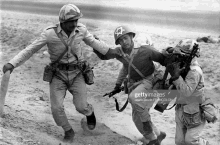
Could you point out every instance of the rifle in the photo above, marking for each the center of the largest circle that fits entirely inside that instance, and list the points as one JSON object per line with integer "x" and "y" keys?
{"x": 112, "y": 93}
{"x": 185, "y": 62}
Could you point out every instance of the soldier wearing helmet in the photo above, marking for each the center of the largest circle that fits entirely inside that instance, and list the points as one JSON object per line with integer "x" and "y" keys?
{"x": 190, "y": 88}
{"x": 65, "y": 38}
{"x": 142, "y": 58}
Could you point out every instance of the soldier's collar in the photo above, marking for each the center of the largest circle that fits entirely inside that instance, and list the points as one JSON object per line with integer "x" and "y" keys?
{"x": 59, "y": 29}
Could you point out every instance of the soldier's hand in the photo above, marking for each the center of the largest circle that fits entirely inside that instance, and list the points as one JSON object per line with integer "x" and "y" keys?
{"x": 113, "y": 53}
{"x": 117, "y": 89}
{"x": 175, "y": 70}
{"x": 8, "y": 67}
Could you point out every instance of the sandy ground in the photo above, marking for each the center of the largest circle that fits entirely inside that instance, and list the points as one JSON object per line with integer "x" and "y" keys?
{"x": 28, "y": 119}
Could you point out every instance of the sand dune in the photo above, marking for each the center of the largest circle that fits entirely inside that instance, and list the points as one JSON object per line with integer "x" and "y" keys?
{"x": 28, "y": 118}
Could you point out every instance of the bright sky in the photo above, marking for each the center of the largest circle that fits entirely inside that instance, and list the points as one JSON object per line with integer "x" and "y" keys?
{"x": 179, "y": 5}
{"x": 183, "y": 5}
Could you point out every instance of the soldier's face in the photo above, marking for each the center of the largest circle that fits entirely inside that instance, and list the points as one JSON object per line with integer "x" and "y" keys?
{"x": 70, "y": 25}
{"x": 126, "y": 41}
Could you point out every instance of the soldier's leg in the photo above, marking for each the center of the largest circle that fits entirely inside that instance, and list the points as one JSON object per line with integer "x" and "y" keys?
{"x": 79, "y": 92}
{"x": 141, "y": 116}
{"x": 180, "y": 128}
{"x": 193, "y": 136}
{"x": 57, "y": 93}
{"x": 149, "y": 132}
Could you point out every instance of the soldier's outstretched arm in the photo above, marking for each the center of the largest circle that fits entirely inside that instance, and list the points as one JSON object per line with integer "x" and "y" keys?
{"x": 26, "y": 53}
{"x": 157, "y": 56}
{"x": 111, "y": 54}
{"x": 100, "y": 48}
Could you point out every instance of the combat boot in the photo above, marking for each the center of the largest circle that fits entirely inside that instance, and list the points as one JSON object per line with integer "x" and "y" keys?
{"x": 91, "y": 121}
{"x": 69, "y": 135}
{"x": 154, "y": 142}
{"x": 161, "y": 137}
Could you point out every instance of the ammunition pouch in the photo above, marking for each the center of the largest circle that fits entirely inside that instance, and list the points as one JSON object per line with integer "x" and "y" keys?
{"x": 209, "y": 112}
{"x": 87, "y": 72}
{"x": 49, "y": 71}
{"x": 192, "y": 115}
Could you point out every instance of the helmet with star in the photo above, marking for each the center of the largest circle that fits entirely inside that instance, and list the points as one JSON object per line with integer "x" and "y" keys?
{"x": 120, "y": 31}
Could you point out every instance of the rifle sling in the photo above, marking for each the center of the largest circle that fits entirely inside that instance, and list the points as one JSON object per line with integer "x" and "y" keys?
{"x": 123, "y": 107}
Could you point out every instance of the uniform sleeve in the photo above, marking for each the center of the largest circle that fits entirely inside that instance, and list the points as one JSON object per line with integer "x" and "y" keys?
{"x": 157, "y": 56}
{"x": 98, "y": 45}
{"x": 111, "y": 54}
{"x": 26, "y": 53}
{"x": 122, "y": 75}
{"x": 187, "y": 87}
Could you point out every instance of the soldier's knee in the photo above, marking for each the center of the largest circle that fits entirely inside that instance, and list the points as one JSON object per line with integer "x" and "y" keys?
{"x": 80, "y": 108}
{"x": 84, "y": 109}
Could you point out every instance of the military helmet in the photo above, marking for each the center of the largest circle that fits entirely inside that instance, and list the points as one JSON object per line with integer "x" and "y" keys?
{"x": 69, "y": 12}
{"x": 120, "y": 31}
{"x": 185, "y": 47}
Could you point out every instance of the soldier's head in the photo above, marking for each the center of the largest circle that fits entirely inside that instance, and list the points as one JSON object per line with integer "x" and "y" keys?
{"x": 124, "y": 37}
{"x": 68, "y": 17}
{"x": 185, "y": 47}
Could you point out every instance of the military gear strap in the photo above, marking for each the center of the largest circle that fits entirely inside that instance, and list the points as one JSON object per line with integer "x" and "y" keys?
{"x": 61, "y": 38}
{"x": 131, "y": 64}
{"x": 133, "y": 52}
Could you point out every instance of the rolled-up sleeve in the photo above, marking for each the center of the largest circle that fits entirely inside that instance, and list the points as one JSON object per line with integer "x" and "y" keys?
{"x": 122, "y": 75}
{"x": 98, "y": 45}
{"x": 26, "y": 53}
{"x": 187, "y": 87}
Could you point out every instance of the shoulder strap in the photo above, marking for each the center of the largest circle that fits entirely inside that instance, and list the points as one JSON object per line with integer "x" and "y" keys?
{"x": 61, "y": 38}
{"x": 131, "y": 64}
{"x": 59, "y": 58}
